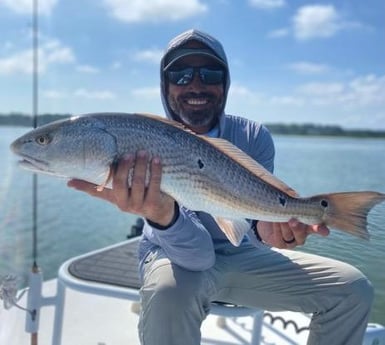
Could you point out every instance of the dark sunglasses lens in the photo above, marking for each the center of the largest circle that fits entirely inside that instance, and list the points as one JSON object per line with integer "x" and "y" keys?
{"x": 212, "y": 76}
{"x": 207, "y": 75}
{"x": 181, "y": 77}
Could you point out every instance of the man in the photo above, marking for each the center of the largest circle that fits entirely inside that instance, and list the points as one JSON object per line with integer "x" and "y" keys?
{"x": 186, "y": 261}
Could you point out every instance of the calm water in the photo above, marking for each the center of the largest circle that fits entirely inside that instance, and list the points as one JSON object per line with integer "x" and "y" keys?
{"x": 71, "y": 223}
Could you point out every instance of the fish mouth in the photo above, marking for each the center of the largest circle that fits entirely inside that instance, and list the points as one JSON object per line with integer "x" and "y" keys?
{"x": 33, "y": 164}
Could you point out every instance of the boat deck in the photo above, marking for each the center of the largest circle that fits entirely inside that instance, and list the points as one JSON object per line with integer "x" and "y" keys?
{"x": 100, "y": 307}
{"x": 99, "y": 295}
{"x": 99, "y": 320}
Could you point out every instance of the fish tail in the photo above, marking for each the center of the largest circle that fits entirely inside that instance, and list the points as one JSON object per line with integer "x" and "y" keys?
{"x": 349, "y": 211}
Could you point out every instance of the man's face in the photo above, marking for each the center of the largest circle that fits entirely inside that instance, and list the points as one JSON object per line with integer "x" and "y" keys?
{"x": 197, "y": 104}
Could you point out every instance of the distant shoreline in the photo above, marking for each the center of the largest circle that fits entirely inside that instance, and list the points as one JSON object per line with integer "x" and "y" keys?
{"x": 307, "y": 129}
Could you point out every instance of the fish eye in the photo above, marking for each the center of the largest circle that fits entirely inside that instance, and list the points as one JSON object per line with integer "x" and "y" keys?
{"x": 43, "y": 140}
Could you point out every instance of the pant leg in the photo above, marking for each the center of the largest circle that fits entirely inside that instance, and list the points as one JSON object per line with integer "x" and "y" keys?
{"x": 338, "y": 295}
{"x": 174, "y": 302}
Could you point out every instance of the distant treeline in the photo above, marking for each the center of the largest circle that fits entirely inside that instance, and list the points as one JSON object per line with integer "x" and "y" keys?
{"x": 24, "y": 120}
{"x": 324, "y": 130}
{"x": 19, "y": 119}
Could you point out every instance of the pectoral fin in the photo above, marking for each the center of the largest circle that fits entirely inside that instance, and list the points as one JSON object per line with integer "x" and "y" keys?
{"x": 107, "y": 180}
{"x": 234, "y": 230}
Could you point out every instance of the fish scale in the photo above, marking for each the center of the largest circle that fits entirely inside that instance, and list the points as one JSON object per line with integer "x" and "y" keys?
{"x": 200, "y": 173}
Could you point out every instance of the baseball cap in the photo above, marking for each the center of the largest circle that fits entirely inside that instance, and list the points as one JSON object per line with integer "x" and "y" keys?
{"x": 177, "y": 54}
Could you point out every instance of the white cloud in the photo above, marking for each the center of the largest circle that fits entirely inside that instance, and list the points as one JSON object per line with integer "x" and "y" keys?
{"x": 279, "y": 33}
{"x": 240, "y": 94}
{"x": 322, "y": 93}
{"x": 147, "y": 92}
{"x": 116, "y": 65}
{"x": 243, "y": 97}
{"x": 87, "y": 69}
{"x": 356, "y": 102}
{"x": 50, "y": 53}
{"x": 267, "y": 4}
{"x": 7, "y": 45}
{"x": 80, "y": 93}
{"x": 18, "y": 63}
{"x": 150, "y": 55}
{"x": 237, "y": 90}
{"x": 97, "y": 95}
{"x": 26, "y": 6}
{"x": 304, "y": 67}
{"x": 54, "y": 52}
{"x": 154, "y": 10}
{"x": 363, "y": 91}
{"x": 287, "y": 101}
{"x": 313, "y": 21}
{"x": 368, "y": 90}
{"x": 54, "y": 94}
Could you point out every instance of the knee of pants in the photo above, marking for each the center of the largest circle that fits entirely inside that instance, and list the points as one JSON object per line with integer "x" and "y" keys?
{"x": 363, "y": 290}
{"x": 180, "y": 291}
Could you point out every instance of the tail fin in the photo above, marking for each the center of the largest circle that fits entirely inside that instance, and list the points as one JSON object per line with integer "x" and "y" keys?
{"x": 349, "y": 211}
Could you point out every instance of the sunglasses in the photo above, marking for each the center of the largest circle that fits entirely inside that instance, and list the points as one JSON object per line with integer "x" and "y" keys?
{"x": 207, "y": 75}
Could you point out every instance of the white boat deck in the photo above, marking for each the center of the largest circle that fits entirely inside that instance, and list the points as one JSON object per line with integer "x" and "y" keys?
{"x": 98, "y": 320}
{"x": 91, "y": 310}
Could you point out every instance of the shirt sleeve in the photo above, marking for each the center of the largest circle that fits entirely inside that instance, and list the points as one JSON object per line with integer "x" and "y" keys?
{"x": 187, "y": 242}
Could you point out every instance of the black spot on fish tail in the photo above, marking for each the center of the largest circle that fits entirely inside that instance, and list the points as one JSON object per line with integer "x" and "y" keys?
{"x": 282, "y": 201}
{"x": 200, "y": 164}
{"x": 324, "y": 203}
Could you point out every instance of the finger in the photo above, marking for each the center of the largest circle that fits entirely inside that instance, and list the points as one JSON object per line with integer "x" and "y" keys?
{"x": 138, "y": 186}
{"x": 120, "y": 181}
{"x": 91, "y": 189}
{"x": 288, "y": 235}
{"x": 277, "y": 235}
{"x": 81, "y": 185}
{"x": 153, "y": 192}
{"x": 299, "y": 231}
{"x": 319, "y": 229}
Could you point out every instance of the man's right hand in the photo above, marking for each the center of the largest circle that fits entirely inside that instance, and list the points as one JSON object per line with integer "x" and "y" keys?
{"x": 144, "y": 200}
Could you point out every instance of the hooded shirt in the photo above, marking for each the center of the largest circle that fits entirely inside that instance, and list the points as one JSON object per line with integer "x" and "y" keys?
{"x": 176, "y": 45}
{"x": 191, "y": 241}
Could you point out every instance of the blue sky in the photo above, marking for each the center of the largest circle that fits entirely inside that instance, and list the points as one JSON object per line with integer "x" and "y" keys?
{"x": 291, "y": 61}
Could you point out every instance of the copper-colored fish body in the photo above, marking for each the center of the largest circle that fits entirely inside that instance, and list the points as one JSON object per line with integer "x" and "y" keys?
{"x": 201, "y": 173}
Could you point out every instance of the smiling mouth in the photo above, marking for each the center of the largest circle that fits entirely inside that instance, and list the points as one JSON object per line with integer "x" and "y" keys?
{"x": 197, "y": 101}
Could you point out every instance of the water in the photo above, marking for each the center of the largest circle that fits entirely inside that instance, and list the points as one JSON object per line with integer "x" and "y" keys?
{"x": 70, "y": 223}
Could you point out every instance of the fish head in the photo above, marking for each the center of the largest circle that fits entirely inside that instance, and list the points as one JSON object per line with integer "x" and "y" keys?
{"x": 73, "y": 148}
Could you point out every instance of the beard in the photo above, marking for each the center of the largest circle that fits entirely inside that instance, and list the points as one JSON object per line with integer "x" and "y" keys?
{"x": 206, "y": 115}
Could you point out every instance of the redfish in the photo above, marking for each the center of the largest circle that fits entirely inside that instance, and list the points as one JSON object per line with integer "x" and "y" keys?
{"x": 200, "y": 173}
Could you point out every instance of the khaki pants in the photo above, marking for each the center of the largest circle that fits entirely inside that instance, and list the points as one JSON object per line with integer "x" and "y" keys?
{"x": 175, "y": 301}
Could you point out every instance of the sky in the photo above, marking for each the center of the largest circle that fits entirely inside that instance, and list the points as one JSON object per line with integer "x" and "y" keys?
{"x": 319, "y": 62}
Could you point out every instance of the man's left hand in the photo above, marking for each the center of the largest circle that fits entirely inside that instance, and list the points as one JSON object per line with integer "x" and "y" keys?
{"x": 289, "y": 234}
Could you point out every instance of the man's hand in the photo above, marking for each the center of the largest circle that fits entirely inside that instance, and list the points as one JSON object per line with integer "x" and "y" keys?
{"x": 145, "y": 200}
{"x": 290, "y": 234}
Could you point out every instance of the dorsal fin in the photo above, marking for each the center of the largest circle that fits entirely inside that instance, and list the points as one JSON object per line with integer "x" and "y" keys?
{"x": 250, "y": 164}
{"x": 234, "y": 153}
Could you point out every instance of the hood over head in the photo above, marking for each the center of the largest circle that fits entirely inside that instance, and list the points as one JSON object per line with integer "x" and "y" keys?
{"x": 177, "y": 49}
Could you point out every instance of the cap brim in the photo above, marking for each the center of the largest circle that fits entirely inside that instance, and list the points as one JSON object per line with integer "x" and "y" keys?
{"x": 181, "y": 53}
